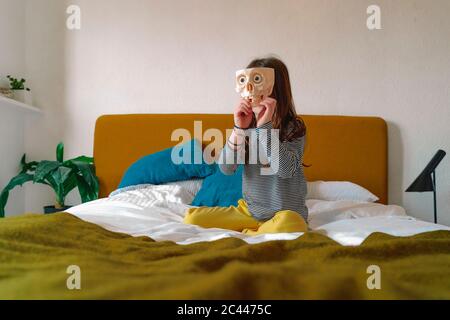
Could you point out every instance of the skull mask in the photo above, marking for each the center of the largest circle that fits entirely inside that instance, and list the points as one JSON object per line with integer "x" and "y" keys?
{"x": 255, "y": 84}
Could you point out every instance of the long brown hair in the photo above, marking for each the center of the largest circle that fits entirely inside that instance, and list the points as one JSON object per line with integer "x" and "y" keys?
{"x": 285, "y": 117}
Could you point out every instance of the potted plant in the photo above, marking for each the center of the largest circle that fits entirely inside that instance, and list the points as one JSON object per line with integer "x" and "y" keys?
{"x": 21, "y": 93}
{"x": 62, "y": 176}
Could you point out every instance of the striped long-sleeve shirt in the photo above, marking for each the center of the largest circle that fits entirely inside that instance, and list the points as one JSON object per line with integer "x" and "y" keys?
{"x": 284, "y": 188}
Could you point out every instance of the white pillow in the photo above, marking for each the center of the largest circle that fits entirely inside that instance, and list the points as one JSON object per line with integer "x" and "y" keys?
{"x": 339, "y": 190}
{"x": 190, "y": 186}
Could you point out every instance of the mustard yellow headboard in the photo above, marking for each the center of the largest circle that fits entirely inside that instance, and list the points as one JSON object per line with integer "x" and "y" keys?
{"x": 339, "y": 148}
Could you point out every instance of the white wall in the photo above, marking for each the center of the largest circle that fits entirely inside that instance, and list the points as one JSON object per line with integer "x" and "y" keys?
{"x": 12, "y": 39}
{"x": 12, "y": 61}
{"x": 46, "y": 63}
{"x": 177, "y": 56}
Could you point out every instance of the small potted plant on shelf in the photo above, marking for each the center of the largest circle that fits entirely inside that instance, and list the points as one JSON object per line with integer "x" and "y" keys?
{"x": 62, "y": 176}
{"x": 21, "y": 93}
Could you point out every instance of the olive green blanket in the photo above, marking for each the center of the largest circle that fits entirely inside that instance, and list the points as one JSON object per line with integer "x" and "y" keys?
{"x": 36, "y": 251}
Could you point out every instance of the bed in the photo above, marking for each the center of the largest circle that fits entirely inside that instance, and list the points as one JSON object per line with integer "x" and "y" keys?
{"x": 133, "y": 244}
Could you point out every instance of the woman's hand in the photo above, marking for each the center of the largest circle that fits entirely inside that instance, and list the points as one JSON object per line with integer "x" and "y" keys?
{"x": 264, "y": 111}
{"x": 243, "y": 114}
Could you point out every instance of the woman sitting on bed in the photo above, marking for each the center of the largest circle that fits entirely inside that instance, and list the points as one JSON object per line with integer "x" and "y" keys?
{"x": 272, "y": 202}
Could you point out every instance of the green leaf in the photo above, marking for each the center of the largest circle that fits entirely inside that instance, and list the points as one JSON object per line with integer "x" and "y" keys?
{"x": 86, "y": 192}
{"x": 56, "y": 188}
{"x": 83, "y": 189}
{"x": 3, "y": 199}
{"x": 83, "y": 159}
{"x": 70, "y": 183}
{"x": 31, "y": 166}
{"x": 87, "y": 181}
{"x": 50, "y": 181}
{"x": 86, "y": 170}
{"x": 44, "y": 168}
{"x": 59, "y": 176}
{"x": 18, "y": 180}
{"x": 23, "y": 160}
{"x": 60, "y": 152}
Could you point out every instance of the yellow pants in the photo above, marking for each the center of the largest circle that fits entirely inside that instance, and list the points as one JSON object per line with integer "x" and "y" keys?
{"x": 239, "y": 219}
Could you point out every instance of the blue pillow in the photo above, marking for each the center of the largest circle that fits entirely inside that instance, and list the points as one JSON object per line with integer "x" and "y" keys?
{"x": 158, "y": 168}
{"x": 220, "y": 190}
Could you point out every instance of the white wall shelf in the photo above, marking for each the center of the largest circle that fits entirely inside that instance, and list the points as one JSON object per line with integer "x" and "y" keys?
{"x": 18, "y": 105}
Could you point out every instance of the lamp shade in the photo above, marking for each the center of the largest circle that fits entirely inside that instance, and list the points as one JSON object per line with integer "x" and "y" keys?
{"x": 424, "y": 182}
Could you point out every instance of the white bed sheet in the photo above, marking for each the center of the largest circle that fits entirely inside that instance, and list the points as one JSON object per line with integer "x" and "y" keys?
{"x": 158, "y": 212}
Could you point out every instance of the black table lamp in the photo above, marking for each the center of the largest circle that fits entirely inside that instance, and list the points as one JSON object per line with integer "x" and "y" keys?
{"x": 426, "y": 181}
